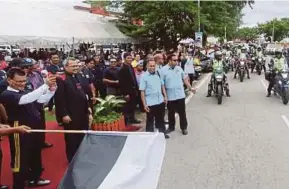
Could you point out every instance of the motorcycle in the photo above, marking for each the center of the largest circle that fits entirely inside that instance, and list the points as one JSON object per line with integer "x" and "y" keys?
{"x": 219, "y": 85}
{"x": 242, "y": 69}
{"x": 229, "y": 64}
{"x": 281, "y": 86}
{"x": 259, "y": 65}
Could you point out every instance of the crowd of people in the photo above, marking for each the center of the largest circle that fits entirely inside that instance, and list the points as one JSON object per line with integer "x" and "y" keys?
{"x": 70, "y": 87}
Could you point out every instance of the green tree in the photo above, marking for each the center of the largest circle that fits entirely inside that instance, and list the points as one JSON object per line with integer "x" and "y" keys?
{"x": 166, "y": 22}
{"x": 247, "y": 33}
{"x": 281, "y": 28}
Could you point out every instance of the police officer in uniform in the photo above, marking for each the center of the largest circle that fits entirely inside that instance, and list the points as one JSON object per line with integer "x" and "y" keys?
{"x": 279, "y": 64}
{"x": 242, "y": 55}
{"x": 218, "y": 63}
{"x": 258, "y": 54}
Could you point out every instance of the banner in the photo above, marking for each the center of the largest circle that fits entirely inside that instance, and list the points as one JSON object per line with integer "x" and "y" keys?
{"x": 199, "y": 39}
{"x": 127, "y": 161}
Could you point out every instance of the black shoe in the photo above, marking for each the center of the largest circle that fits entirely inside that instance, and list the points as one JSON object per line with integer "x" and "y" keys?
{"x": 235, "y": 77}
{"x": 248, "y": 77}
{"x": 185, "y": 132}
{"x": 47, "y": 145}
{"x": 4, "y": 187}
{"x": 167, "y": 136}
{"x": 228, "y": 95}
{"x": 268, "y": 95}
{"x": 170, "y": 130}
{"x": 208, "y": 95}
{"x": 40, "y": 182}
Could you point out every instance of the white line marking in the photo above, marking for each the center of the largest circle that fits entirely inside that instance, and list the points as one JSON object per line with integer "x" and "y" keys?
{"x": 285, "y": 119}
{"x": 264, "y": 84}
{"x": 198, "y": 87}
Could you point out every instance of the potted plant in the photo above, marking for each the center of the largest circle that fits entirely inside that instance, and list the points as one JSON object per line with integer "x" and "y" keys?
{"x": 106, "y": 116}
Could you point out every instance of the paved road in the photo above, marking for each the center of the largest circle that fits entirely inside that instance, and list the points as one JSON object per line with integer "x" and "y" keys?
{"x": 241, "y": 144}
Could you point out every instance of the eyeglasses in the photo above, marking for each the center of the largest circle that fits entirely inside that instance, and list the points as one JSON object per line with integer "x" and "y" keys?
{"x": 20, "y": 81}
{"x": 174, "y": 60}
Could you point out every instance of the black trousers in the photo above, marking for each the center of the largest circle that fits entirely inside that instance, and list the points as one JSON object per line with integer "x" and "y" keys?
{"x": 129, "y": 108}
{"x": 272, "y": 81}
{"x": 177, "y": 106}
{"x": 139, "y": 102}
{"x": 156, "y": 115}
{"x": 101, "y": 88}
{"x": 73, "y": 141}
{"x": 43, "y": 124}
{"x": 26, "y": 161}
{"x": 192, "y": 78}
{"x": 50, "y": 104}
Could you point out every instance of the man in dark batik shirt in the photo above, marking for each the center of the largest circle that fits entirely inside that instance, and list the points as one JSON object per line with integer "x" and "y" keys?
{"x": 71, "y": 105}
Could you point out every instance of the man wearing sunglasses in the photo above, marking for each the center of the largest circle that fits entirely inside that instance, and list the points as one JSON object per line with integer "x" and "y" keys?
{"x": 174, "y": 79}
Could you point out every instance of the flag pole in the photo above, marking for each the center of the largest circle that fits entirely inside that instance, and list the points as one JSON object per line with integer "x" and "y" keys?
{"x": 199, "y": 15}
{"x": 87, "y": 132}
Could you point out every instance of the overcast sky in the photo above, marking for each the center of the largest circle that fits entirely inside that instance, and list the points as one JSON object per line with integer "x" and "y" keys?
{"x": 264, "y": 11}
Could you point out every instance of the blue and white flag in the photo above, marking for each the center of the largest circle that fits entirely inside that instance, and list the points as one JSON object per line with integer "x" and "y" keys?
{"x": 116, "y": 161}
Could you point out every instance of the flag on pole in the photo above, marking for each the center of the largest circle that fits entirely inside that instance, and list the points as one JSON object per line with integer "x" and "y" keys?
{"x": 116, "y": 161}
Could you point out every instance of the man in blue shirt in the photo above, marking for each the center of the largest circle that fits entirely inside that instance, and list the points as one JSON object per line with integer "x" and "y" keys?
{"x": 154, "y": 98}
{"x": 22, "y": 109}
{"x": 174, "y": 77}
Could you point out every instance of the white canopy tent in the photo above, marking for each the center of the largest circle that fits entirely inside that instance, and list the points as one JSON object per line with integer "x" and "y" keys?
{"x": 39, "y": 23}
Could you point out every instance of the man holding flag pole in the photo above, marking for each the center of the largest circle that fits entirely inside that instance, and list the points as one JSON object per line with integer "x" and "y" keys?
{"x": 22, "y": 109}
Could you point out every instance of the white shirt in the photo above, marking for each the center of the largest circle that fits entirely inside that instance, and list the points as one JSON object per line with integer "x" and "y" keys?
{"x": 41, "y": 95}
{"x": 189, "y": 66}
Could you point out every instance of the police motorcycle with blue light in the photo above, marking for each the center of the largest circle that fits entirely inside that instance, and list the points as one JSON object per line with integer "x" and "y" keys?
{"x": 218, "y": 82}
{"x": 278, "y": 77}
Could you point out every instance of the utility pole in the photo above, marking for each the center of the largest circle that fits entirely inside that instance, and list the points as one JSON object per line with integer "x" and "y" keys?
{"x": 225, "y": 34}
{"x": 199, "y": 14}
{"x": 273, "y": 31}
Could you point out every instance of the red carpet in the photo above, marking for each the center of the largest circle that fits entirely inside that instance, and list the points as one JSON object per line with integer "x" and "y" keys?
{"x": 54, "y": 159}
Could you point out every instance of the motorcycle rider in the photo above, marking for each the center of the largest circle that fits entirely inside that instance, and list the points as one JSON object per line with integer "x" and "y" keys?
{"x": 278, "y": 64}
{"x": 258, "y": 54}
{"x": 239, "y": 50}
{"x": 218, "y": 63}
{"x": 243, "y": 55}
